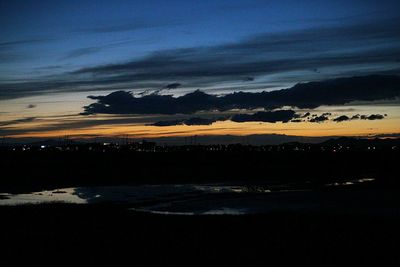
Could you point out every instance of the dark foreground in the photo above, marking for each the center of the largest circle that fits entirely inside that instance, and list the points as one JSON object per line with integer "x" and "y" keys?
{"x": 62, "y": 234}
{"x": 359, "y": 226}
{"x": 39, "y": 170}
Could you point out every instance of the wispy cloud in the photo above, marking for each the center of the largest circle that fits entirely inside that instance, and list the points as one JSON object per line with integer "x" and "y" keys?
{"x": 266, "y": 116}
{"x": 132, "y": 25}
{"x": 79, "y": 52}
{"x": 338, "y": 48}
{"x": 13, "y": 44}
{"x": 13, "y": 51}
{"x": 266, "y": 54}
{"x": 82, "y": 52}
{"x": 17, "y": 121}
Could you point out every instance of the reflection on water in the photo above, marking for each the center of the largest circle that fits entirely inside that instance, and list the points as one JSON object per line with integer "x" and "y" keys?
{"x": 65, "y": 195}
{"x": 118, "y": 194}
{"x": 184, "y": 199}
{"x": 352, "y": 182}
{"x": 221, "y": 211}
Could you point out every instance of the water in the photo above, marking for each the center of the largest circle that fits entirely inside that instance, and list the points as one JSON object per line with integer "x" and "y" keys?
{"x": 186, "y": 199}
{"x": 121, "y": 194}
{"x": 65, "y": 195}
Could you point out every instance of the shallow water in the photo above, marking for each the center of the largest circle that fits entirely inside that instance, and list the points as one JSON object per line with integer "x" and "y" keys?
{"x": 185, "y": 199}
{"x": 64, "y": 195}
{"x": 122, "y": 194}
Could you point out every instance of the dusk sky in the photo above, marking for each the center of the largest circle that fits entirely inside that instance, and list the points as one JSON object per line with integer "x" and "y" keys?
{"x": 175, "y": 68}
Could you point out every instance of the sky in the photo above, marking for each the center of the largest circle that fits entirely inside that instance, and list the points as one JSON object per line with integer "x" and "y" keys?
{"x": 150, "y": 69}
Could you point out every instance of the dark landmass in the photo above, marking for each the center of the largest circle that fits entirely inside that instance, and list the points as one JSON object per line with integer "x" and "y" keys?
{"x": 113, "y": 236}
{"x": 351, "y": 226}
{"x": 27, "y": 169}
{"x": 203, "y": 140}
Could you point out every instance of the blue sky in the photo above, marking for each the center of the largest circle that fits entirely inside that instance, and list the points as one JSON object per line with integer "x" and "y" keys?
{"x": 47, "y": 37}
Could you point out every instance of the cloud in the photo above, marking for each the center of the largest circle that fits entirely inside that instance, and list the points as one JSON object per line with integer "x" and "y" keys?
{"x": 82, "y": 52}
{"x": 128, "y": 26}
{"x": 172, "y": 86}
{"x": 17, "y": 121}
{"x": 168, "y": 123}
{"x": 261, "y": 116}
{"x": 264, "y": 54}
{"x": 248, "y": 79}
{"x": 319, "y": 119}
{"x": 359, "y": 117}
{"x": 200, "y": 121}
{"x": 14, "y": 51}
{"x": 341, "y": 118}
{"x": 50, "y": 123}
{"x": 266, "y": 116}
{"x": 75, "y": 53}
{"x": 304, "y": 95}
{"x": 339, "y": 49}
{"x": 12, "y": 44}
{"x": 373, "y": 117}
{"x": 189, "y": 122}
{"x": 122, "y": 102}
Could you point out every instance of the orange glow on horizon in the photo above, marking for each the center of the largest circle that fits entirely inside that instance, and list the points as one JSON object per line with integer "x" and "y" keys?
{"x": 353, "y": 128}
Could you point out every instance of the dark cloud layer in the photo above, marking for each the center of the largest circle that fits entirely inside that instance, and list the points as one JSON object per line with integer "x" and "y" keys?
{"x": 172, "y": 85}
{"x": 261, "y": 116}
{"x": 266, "y": 116}
{"x": 304, "y": 50}
{"x": 359, "y": 117}
{"x": 341, "y": 118}
{"x": 319, "y": 119}
{"x": 264, "y": 54}
{"x": 305, "y": 95}
{"x": 189, "y": 122}
{"x": 373, "y": 117}
{"x": 17, "y": 121}
{"x": 270, "y": 117}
